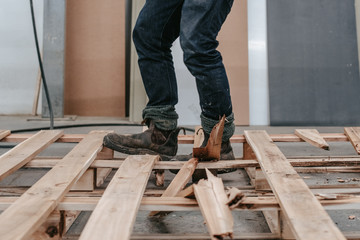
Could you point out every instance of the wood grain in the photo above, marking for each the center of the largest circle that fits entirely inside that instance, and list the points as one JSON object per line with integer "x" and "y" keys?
{"x": 25, "y": 215}
{"x": 115, "y": 214}
{"x": 212, "y": 201}
{"x": 26, "y": 151}
{"x": 353, "y": 133}
{"x": 313, "y": 137}
{"x": 306, "y": 216}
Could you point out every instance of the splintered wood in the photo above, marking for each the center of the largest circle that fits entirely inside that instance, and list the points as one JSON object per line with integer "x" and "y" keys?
{"x": 313, "y": 137}
{"x": 89, "y": 178}
{"x": 213, "y": 201}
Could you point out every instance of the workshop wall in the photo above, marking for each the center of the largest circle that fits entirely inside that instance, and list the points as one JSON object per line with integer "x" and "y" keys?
{"x": 95, "y": 58}
{"x": 18, "y": 59}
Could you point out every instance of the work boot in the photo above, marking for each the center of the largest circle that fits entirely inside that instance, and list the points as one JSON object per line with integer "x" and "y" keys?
{"x": 153, "y": 141}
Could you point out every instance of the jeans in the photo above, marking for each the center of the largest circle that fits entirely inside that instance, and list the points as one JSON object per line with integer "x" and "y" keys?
{"x": 197, "y": 23}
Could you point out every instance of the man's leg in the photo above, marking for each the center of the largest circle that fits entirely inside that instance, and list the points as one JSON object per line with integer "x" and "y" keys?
{"x": 200, "y": 23}
{"x": 156, "y": 29}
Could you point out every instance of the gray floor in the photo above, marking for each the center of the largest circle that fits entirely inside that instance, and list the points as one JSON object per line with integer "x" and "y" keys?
{"x": 189, "y": 222}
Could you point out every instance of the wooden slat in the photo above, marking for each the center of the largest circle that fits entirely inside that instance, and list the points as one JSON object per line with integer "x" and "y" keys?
{"x": 88, "y": 203}
{"x": 189, "y": 139}
{"x": 353, "y": 133}
{"x": 307, "y": 217}
{"x": 180, "y": 180}
{"x": 24, "y": 216}
{"x": 311, "y": 161}
{"x": 212, "y": 200}
{"x": 313, "y": 137}
{"x": 114, "y": 216}
{"x": 25, "y": 151}
{"x": 4, "y": 133}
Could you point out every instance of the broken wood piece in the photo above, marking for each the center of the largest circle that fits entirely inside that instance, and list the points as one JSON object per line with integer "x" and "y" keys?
{"x": 187, "y": 192}
{"x": 313, "y": 137}
{"x": 304, "y": 213}
{"x": 234, "y": 197}
{"x": 26, "y": 151}
{"x": 212, "y": 201}
{"x": 4, "y": 133}
{"x": 353, "y": 133}
{"x": 180, "y": 180}
{"x": 160, "y": 177}
{"x": 115, "y": 214}
{"x": 28, "y": 212}
{"x": 213, "y": 147}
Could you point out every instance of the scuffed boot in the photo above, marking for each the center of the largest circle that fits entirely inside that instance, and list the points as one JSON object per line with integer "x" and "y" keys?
{"x": 153, "y": 141}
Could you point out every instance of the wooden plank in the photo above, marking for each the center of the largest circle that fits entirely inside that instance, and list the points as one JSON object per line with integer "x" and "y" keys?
{"x": 307, "y": 217}
{"x": 313, "y": 137}
{"x": 114, "y": 216}
{"x": 189, "y": 139}
{"x": 311, "y": 161}
{"x": 4, "y": 133}
{"x": 51, "y": 229}
{"x": 25, "y": 151}
{"x": 212, "y": 201}
{"x": 180, "y": 180}
{"x": 88, "y": 203}
{"x": 24, "y": 216}
{"x": 353, "y": 133}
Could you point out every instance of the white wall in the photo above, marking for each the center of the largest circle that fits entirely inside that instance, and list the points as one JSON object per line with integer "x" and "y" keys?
{"x": 188, "y": 107}
{"x": 258, "y": 63}
{"x": 18, "y": 59}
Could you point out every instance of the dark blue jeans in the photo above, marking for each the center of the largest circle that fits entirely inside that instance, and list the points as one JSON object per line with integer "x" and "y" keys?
{"x": 197, "y": 23}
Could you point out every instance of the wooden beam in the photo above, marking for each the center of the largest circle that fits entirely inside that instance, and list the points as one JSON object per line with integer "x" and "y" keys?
{"x": 189, "y": 139}
{"x": 313, "y": 137}
{"x": 88, "y": 203}
{"x": 213, "y": 200}
{"x": 307, "y": 217}
{"x": 4, "y": 133}
{"x": 86, "y": 182}
{"x": 26, "y": 151}
{"x": 353, "y": 133}
{"x": 311, "y": 161}
{"x": 115, "y": 214}
{"x": 180, "y": 180}
{"x": 25, "y": 215}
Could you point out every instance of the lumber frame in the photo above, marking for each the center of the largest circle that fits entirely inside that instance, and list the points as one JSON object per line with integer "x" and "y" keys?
{"x": 307, "y": 221}
{"x": 25, "y": 215}
{"x": 279, "y": 223}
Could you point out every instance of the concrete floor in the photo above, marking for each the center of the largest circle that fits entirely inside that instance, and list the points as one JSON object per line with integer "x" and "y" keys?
{"x": 189, "y": 222}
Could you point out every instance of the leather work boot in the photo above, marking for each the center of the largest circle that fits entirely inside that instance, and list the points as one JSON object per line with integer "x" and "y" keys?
{"x": 153, "y": 141}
